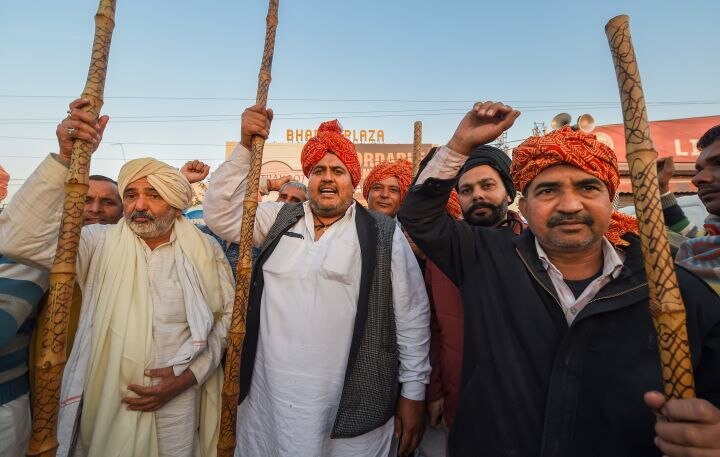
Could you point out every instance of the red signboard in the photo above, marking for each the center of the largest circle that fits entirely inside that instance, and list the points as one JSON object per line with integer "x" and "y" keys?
{"x": 676, "y": 138}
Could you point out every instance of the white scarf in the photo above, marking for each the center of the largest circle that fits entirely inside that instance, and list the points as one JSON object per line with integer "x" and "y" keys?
{"x": 122, "y": 338}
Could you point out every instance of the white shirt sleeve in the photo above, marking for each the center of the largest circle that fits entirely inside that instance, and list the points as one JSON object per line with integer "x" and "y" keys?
{"x": 205, "y": 363}
{"x": 223, "y": 202}
{"x": 445, "y": 164}
{"x": 29, "y": 225}
{"x": 412, "y": 319}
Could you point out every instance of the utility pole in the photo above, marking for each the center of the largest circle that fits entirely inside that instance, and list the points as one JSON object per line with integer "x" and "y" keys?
{"x": 501, "y": 143}
{"x": 539, "y": 128}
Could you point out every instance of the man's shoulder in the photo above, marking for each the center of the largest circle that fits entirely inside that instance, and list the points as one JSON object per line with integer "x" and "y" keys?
{"x": 205, "y": 230}
{"x": 96, "y": 230}
{"x": 694, "y": 287}
{"x": 271, "y": 211}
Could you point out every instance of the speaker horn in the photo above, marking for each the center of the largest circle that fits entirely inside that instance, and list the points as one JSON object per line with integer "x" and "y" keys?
{"x": 560, "y": 121}
{"x": 586, "y": 123}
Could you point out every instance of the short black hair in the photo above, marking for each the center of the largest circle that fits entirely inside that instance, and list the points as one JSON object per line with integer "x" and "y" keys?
{"x": 102, "y": 178}
{"x": 709, "y": 137}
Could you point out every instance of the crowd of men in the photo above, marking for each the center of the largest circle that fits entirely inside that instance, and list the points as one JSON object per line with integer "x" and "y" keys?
{"x": 436, "y": 321}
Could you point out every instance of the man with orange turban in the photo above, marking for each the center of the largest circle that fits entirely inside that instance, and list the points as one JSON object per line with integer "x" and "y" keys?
{"x": 385, "y": 187}
{"x": 335, "y": 358}
{"x": 560, "y": 349}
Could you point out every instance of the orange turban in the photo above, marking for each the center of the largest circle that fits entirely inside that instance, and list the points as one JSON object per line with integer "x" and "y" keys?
{"x": 453, "y": 205}
{"x": 330, "y": 139}
{"x": 581, "y": 150}
{"x": 400, "y": 169}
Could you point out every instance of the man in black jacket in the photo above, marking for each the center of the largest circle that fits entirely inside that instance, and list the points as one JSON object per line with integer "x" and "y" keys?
{"x": 561, "y": 355}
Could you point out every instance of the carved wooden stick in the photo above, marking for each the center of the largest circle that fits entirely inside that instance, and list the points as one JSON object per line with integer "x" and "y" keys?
{"x": 53, "y": 328}
{"x": 417, "y": 141}
{"x": 666, "y": 304}
{"x": 236, "y": 333}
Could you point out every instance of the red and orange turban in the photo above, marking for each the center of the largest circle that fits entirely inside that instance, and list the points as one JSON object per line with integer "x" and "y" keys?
{"x": 400, "y": 169}
{"x": 581, "y": 150}
{"x": 330, "y": 139}
{"x": 453, "y": 205}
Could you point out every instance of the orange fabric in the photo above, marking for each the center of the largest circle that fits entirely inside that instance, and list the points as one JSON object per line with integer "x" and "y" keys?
{"x": 453, "y": 205}
{"x": 581, "y": 150}
{"x": 4, "y": 180}
{"x": 400, "y": 169}
{"x": 330, "y": 139}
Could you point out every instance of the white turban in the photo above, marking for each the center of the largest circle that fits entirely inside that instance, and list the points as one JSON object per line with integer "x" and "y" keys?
{"x": 172, "y": 185}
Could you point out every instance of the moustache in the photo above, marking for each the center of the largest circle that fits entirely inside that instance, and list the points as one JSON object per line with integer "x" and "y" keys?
{"x": 478, "y": 205}
{"x": 559, "y": 219}
{"x": 143, "y": 214}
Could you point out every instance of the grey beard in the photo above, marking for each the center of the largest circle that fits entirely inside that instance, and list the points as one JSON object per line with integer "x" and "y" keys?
{"x": 152, "y": 229}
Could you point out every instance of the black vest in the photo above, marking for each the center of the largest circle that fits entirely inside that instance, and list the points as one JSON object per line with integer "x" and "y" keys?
{"x": 371, "y": 384}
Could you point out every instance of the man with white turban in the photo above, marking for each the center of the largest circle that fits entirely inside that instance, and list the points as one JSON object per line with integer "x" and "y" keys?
{"x": 157, "y": 302}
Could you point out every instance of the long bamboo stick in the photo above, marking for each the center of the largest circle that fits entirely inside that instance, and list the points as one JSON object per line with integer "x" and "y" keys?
{"x": 417, "y": 142}
{"x": 236, "y": 333}
{"x": 666, "y": 304}
{"x": 51, "y": 359}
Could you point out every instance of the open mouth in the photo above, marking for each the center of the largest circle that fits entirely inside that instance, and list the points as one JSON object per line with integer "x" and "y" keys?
{"x": 328, "y": 191}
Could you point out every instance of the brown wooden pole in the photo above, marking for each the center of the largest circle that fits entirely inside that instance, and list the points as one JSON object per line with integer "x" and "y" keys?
{"x": 53, "y": 328}
{"x": 236, "y": 333}
{"x": 666, "y": 304}
{"x": 417, "y": 142}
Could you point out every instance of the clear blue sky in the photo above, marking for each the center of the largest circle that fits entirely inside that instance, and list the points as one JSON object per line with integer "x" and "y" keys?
{"x": 372, "y": 64}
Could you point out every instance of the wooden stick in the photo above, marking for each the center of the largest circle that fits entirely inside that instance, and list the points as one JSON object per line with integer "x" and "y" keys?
{"x": 417, "y": 142}
{"x": 666, "y": 304}
{"x": 53, "y": 328}
{"x": 236, "y": 333}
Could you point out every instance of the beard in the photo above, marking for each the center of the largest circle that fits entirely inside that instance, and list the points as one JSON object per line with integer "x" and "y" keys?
{"x": 497, "y": 214}
{"x": 330, "y": 210}
{"x": 153, "y": 227}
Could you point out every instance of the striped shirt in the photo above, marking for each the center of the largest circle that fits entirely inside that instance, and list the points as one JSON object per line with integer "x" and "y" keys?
{"x": 21, "y": 289}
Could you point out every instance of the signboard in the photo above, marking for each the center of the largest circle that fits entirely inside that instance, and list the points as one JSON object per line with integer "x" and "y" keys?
{"x": 676, "y": 138}
{"x": 356, "y": 136}
{"x": 274, "y": 169}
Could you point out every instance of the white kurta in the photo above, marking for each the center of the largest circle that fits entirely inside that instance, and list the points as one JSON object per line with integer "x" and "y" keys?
{"x": 307, "y": 316}
{"x": 37, "y": 206}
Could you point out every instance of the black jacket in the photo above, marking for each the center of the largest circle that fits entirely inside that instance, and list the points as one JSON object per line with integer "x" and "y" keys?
{"x": 531, "y": 385}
